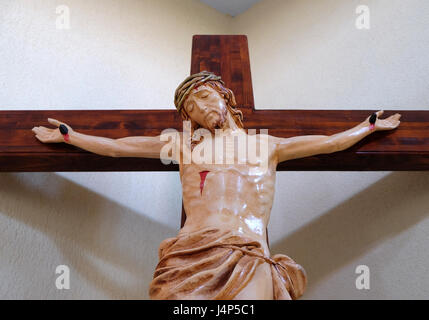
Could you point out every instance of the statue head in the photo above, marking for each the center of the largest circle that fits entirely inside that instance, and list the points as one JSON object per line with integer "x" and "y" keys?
{"x": 204, "y": 100}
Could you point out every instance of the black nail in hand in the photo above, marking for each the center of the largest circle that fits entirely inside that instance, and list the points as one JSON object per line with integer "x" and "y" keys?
{"x": 63, "y": 129}
{"x": 373, "y": 118}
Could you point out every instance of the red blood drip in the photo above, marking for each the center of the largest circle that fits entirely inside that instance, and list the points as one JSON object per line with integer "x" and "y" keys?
{"x": 203, "y": 175}
{"x": 372, "y": 127}
{"x": 66, "y": 137}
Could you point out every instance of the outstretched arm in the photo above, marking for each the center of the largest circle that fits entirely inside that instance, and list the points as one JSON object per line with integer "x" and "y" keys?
{"x": 145, "y": 147}
{"x": 306, "y": 146}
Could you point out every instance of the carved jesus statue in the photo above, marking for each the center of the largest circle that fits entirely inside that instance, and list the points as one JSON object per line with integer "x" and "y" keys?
{"x": 222, "y": 251}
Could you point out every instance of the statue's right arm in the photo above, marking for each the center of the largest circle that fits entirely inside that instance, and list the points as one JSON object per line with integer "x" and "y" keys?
{"x": 144, "y": 146}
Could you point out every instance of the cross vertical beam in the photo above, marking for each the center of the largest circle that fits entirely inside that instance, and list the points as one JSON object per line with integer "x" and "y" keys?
{"x": 227, "y": 56}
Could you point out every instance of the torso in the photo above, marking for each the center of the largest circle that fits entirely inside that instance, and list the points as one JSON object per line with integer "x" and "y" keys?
{"x": 236, "y": 197}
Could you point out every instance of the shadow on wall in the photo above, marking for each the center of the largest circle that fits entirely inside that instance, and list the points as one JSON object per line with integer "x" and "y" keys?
{"x": 85, "y": 225}
{"x": 381, "y": 211}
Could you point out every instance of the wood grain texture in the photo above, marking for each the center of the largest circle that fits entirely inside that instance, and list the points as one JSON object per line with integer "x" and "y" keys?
{"x": 227, "y": 56}
{"x": 406, "y": 148}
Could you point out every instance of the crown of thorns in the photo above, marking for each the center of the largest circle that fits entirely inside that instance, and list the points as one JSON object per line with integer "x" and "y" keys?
{"x": 191, "y": 82}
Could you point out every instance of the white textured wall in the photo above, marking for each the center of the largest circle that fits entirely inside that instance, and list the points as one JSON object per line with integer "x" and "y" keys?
{"x": 308, "y": 54}
{"x": 305, "y": 54}
{"x": 117, "y": 54}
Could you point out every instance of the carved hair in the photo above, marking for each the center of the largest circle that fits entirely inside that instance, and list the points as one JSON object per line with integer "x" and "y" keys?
{"x": 209, "y": 78}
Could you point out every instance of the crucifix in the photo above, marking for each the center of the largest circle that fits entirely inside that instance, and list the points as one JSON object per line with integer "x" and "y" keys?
{"x": 221, "y": 251}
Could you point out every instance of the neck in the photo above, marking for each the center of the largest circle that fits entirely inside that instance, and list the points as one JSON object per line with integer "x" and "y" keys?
{"x": 230, "y": 122}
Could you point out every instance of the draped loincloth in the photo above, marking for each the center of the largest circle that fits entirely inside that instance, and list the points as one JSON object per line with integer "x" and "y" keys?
{"x": 214, "y": 264}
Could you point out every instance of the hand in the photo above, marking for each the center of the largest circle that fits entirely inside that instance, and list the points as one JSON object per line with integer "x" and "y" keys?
{"x": 385, "y": 124}
{"x": 47, "y": 135}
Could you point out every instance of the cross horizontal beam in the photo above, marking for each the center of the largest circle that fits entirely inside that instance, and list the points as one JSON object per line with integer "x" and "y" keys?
{"x": 406, "y": 148}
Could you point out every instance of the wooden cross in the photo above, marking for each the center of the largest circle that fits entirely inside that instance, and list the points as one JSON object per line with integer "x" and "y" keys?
{"x": 406, "y": 148}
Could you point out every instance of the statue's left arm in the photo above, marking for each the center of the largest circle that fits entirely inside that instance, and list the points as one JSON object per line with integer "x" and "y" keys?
{"x": 306, "y": 146}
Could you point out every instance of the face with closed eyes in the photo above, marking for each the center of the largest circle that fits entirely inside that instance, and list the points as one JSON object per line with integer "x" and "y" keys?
{"x": 206, "y": 107}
